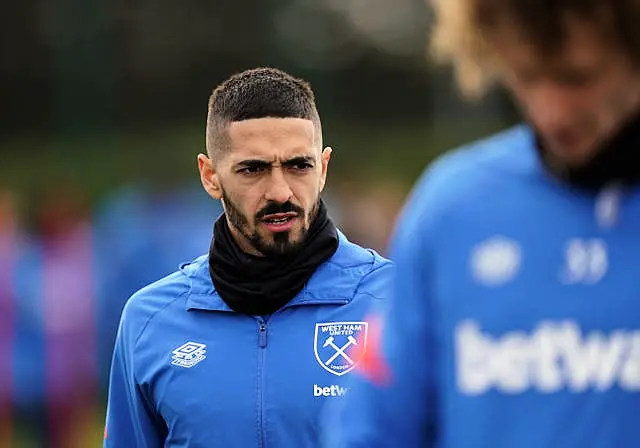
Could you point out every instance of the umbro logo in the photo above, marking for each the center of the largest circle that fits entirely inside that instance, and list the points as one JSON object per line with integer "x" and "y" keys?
{"x": 189, "y": 354}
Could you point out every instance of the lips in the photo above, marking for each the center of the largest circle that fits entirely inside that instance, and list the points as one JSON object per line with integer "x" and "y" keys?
{"x": 279, "y": 222}
{"x": 279, "y": 218}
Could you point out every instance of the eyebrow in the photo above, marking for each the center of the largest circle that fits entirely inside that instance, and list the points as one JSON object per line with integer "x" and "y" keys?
{"x": 258, "y": 163}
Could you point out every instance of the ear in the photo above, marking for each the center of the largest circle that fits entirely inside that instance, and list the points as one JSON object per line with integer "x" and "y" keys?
{"x": 209, "y": 177}
{"x": 324, "y": 160}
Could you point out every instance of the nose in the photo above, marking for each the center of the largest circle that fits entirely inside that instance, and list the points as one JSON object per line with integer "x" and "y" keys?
{"x": 550, "y": 108}
{"x": 278, "y": 189}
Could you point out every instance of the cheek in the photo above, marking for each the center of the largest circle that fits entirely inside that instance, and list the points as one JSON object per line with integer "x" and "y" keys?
{"x": 303, "y": 188}
{"x": 309, "y": 200}
{"x": 609, "y": 107}
{"x": 622, "y": 101}
{"x": 241, "y": 204}
{"x": 618, "y": 96}
{"x": 251, "y": 206}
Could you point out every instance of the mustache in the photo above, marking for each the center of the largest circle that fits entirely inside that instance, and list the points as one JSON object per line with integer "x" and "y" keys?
{"x": 274, "y": 207}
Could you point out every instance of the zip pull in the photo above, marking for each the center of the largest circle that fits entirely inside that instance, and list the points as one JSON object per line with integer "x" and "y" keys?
{"x": 607, "y": 208}
{"x": 262, "y": 334}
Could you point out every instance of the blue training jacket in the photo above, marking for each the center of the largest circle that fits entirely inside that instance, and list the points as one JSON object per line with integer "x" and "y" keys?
{"x": 189, "y": 372}
{"x": 515, "y": 320}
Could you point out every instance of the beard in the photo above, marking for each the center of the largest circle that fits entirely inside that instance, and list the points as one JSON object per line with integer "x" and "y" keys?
{"x": 281, "y": 243}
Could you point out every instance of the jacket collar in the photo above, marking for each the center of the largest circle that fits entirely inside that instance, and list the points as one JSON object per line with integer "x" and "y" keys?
{"x": 335, "y": 281}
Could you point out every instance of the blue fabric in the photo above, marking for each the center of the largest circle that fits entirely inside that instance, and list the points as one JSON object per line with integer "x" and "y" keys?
{"x": 189, "y": 372}
{"x": 515, "y": 318}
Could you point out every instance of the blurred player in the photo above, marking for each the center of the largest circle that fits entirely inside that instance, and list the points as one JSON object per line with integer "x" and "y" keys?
{"x": 516, "y": 316}
{"x": 243, "y": 346}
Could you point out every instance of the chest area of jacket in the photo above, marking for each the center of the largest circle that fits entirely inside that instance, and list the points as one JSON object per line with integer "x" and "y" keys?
{"x": 546, "y": 302}
{"x": 547, "y": 258}
{"x": 227, "y": 369}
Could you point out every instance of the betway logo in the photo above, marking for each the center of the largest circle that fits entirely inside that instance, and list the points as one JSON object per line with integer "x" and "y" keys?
{"x": 329, "y": 391}
{"x": 555, "y": 356}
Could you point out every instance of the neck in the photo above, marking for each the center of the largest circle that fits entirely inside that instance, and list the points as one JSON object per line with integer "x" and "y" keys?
{"x": 260, "y": 286}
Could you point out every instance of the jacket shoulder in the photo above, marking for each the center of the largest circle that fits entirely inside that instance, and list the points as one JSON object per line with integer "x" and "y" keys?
{"x": 148, "y": 303}
{"x": 472, "y": 173}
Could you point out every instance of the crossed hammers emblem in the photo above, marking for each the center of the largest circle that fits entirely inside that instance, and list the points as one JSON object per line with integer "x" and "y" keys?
{"x": 340, "y": 351}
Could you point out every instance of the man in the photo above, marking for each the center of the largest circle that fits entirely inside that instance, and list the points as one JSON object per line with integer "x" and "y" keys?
{"x": 515, "y": 320}
{"x": 243, "y": 346}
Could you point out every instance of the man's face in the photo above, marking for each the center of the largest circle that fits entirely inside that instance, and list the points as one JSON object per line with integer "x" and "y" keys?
{"x": 577, "y": 99}
{"x": 269, "y": 182}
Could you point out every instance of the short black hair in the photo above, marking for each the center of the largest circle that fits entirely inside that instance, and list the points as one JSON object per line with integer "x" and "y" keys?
{"x": 263, "y": 92}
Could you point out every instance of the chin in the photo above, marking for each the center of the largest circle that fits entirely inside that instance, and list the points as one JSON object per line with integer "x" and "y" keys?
{"x": 292, "y": 238}
{"x": 574, "y": 155}
{"x": 579, "y": 158}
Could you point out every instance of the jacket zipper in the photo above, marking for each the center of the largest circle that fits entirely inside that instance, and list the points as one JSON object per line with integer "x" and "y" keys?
{"x": 262, "y": 344}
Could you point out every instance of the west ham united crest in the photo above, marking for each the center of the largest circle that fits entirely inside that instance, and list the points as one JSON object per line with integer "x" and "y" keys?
{"x": 337, "y": 343}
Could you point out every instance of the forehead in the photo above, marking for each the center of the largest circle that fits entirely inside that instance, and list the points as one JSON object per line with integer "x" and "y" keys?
{"x": 584, "y": 45}
{"x": 271, "y": 138}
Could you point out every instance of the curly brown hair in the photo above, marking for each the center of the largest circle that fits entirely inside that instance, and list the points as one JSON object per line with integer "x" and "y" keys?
{"x": 462, "y": 32}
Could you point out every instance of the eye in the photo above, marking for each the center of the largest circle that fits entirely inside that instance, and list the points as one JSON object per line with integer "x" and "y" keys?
{"x": 251, "y": 170}
{"x": 301, "y": 166}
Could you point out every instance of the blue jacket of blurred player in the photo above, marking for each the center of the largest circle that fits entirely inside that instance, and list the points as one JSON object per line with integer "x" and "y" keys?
{"x": 515, "y": 319}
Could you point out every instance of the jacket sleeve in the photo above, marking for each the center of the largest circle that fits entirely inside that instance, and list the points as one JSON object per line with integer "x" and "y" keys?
{"x": 391, "y": 399}
{"x": 131, "y": 421}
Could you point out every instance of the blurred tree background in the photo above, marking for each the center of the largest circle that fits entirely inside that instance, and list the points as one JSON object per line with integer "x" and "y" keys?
{"x": 102, "y": 92}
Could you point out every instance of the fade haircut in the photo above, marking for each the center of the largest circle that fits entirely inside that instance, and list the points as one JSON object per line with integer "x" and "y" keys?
{"x": 257, "y": 93}
{"x": 463, "y": 31}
